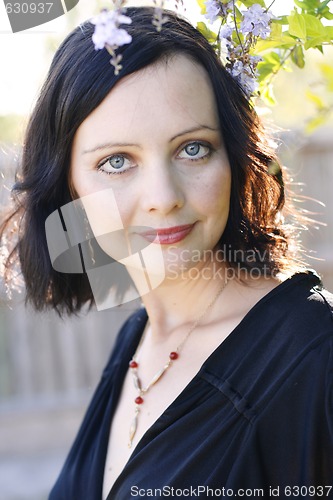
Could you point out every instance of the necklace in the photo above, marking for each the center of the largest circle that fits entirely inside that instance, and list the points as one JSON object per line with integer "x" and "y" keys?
{"x": 173, "y": 356}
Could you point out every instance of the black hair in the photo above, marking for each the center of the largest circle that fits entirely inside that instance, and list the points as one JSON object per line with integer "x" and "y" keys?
{"x": 78, "y": 80}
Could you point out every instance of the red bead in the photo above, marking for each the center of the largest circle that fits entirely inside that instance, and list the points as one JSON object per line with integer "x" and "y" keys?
{"x": 173, "y": 355}
{"x": 138, "y": 400}
{"x": 133, "y": 364}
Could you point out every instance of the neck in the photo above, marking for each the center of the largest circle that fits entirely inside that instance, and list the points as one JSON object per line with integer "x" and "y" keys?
{"x": 177, "y": 303}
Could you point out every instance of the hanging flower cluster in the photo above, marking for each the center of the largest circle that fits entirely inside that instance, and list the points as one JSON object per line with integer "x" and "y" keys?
{"x": 158, "y": 18}
{"x": 238, "y": 34}
{"x": 108, "y": 33}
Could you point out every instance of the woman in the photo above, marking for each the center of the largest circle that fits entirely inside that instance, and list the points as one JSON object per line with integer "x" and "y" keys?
{"x": 227, "y": 389}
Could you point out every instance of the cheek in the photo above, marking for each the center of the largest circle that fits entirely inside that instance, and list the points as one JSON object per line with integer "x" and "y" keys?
{"x": 102, "y": 209}
{"x": 98, "y": 198}
{"x": 102, "y": 212}
{"x": 105, "y": 221}
{"x": 215, "y": 193}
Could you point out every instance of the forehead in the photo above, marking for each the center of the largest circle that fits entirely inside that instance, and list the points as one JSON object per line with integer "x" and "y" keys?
{"x": 167, "y": 96}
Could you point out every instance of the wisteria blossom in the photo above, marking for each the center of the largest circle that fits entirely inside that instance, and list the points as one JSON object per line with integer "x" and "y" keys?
{"x": 237, "y": 68}
{"x": 226, "y": 33}
{"x": 159, "y": 19}
{"x": 212, "y": 10}
{"x": 256, "y": 21}
{"x": 248, "y": 82}
{"x": 216, "y": 8}
{"x": 235, "y": 51}
{"x": 246, "y": 73}
{"x": 107, "y": 31}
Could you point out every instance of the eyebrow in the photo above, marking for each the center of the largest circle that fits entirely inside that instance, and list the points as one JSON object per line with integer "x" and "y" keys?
{"x": 109, "y": 145}
{"x": 194, "y": 129}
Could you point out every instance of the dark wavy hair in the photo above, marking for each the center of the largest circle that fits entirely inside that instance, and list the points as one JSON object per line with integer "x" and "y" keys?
{"x": 78, "y": 80}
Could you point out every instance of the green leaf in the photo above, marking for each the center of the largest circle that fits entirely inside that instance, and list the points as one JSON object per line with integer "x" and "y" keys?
{"x": 285, "y": 42}
{"x": 272, "y": 58}
{"x": 239, "y": 15}
{"x": 297, "y": 56}
{"x": 248, "y": 3}
{"x": 299, "y": 4}
{"x": 206, "y": 32}
{"x": 270, "y": 64}
{"x": 307, "y": 5}
{"x": 202, "y": 6}
{"x": 277, "y": 39}
{"x": 297, "y": 26}
{"x": 276, "y": 30}
{"x": 328, "y": 32}
{"x": 314, "y": 123}
{"x": 317, "y": 101}
{"x": 323, "y": 6}
{"x": 264, "y": 71}
{"x": 314, "y": 43}
{"x": 313, "y": 26}
{"x": 267, "y": 95}
{"x": 327, "y": 71}
{"x": 327, "y": 14}
{"x": 281, "y": 20}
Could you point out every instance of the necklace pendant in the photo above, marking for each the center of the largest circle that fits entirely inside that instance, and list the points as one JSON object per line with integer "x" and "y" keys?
{"x": 159, "y": 375}
{"x": 173, "y": 356}
{"x": 136, "y": 381}
{"x": 133, "y": 428}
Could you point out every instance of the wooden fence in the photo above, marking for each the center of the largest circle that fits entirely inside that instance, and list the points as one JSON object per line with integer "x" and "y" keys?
{"x": 310, "y": 161}
{"x": 42, "y": 355}
{"x": 47, "y": 362}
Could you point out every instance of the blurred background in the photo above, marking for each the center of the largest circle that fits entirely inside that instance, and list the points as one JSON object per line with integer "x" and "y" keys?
{"x": 49, "y": 367}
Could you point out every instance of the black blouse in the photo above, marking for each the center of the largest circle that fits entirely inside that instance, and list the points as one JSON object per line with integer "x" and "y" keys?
{"x": 256, "y": 420}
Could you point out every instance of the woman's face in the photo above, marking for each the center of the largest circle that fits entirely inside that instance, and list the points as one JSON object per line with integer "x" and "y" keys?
{"x": 150, "y": 159}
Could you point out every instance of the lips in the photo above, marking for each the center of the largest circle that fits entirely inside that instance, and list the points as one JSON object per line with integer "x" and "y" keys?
{"x": 168, "y": 235}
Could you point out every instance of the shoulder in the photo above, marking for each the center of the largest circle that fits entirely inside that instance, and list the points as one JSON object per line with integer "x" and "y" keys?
{"x": 300, "y": 320}
{"x": 324, "y": 297}
{"x": 289, "y": 329}
{"x": 301, "y": 306}
{"x": 294, "y": 347}
{"x": 313, "y": 300}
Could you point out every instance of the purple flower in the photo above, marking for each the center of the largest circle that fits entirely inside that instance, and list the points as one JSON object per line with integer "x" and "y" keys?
{"x": 227, "y": 7}
{"x": 248, "y": 82}
{"x": 107, "y": 31}
{"x": 245, "y": 74}
{"x": 225, "y": 31}
{"x": 256, "y": 21}
{"x": 212, "y": 10}
{"x": 237, "y": 68}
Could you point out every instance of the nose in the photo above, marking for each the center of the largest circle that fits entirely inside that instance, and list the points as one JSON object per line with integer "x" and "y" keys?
{"x": 162, "y": 189}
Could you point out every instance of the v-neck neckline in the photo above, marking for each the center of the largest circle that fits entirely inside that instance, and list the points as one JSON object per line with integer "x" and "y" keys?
{"x": 280, "y": 288}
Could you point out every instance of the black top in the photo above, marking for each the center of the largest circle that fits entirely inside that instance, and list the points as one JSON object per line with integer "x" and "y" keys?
{"x": 258, "y": 414}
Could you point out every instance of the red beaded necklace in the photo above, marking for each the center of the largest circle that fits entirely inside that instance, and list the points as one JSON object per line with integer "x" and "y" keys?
{"x": 173, "y": 356}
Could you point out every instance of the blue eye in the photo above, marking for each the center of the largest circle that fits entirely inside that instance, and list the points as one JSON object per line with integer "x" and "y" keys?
{"x": 116, "y": 161}
{"x": 195, "y": 151}
{"x": 115, "y": 164}
{"x": 192, "y": 149}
